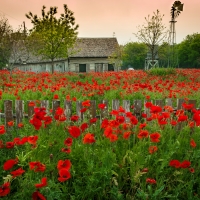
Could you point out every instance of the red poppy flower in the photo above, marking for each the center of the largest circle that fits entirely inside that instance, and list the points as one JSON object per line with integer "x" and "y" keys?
{"x": 11, "y": 123}
{"x": 68, "y": 142}
{"x": 83, "y": 110}
{"x": 37, "y": 196}
{"x": 191, "y": 170}
{"x": 4, "y": 189}
{"x": 74, "y": 118}
{"x": 47, "y": 120}
{"x": 64, "y": 175}
{"x": 173, "y": 123}
{"x": 151, "y": 181}
{"x": 17, "y": 172}
{"x": 36, "y": 123}
{"x": 10, "y": 145}
{"x": 113, "y": 137}
{"x": 143, "y": 134}
{"x": 74, "y": 131}
{"x": 93, "y": 120}
{"x": 193, "y": 143}
{"x": 64, "y": 164}
{"x": 188, "y": 106}
{"x": 153, "y": 149}
{"x": 42, "y": 184}
{"x": 55, "y": 96}
{"x": 175, "y": 163}
{"x": 144, "y": 115}
{"x": 20, "y": 125}
{"x": 9, "y": 164}
{"x": 66, "y": 150}
{"x": 32, "y": 139}
{"x": 104, "y": 123}
{"x": 185, "y": 164}
{"x": 83, "y": 127}
{"x": 102, "y": 106}
{"x": 2, "y": 129}
{"x": 126, "y": 135}
{"x": 37, "y": 166}
{"x": 88, "y": 138}
{"x": 31, "y": 104}
{"x": 108, "y": 131}
{"x": 155, "y": 137}
{"x": 145, "y": 170}
{"x": 155, "y": 109}
{"x": 114, "y": 112}
{"x": 182, "y": 118}
{"x": 86, "y": 103}
{"x": 148, "y": 104}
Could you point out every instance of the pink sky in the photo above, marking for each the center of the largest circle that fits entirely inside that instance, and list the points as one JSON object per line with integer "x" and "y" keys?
{"x": 100, "y": 18}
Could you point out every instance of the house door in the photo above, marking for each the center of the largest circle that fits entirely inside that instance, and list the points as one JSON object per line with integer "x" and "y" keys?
{"x": 110, "y": 67}
{"x": 82, "y": 67}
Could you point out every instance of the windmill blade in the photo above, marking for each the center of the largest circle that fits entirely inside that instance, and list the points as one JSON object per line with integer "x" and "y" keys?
{"x": 180, "y": 7}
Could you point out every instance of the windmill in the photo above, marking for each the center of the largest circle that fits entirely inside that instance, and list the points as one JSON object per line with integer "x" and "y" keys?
{"x": 176, "y": 9}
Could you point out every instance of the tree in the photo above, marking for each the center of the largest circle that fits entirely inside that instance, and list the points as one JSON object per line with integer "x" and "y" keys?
{"x": 5, "y": 32}
{"x": 116, "y": 57}
{"x": 134, "y": 55}
{"x": 189, "y": 51}
{"x": 152, "y": 33}
{"x": 55, "y": 37}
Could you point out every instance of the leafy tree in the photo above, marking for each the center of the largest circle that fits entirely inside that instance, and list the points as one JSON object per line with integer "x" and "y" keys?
{"x": 152, "y": 33}
{"x": 5, "y": 32}
{"x": 134, "y": 55}
{"x": 54, "y": 37}
{"x": 189, "y": 51}
{"x": 116, "y": 57}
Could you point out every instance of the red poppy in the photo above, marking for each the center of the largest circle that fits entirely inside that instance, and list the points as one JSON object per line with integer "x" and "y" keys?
{"x": 47, "y": 120}
{"x": 93, "y": 120}
{"x": 74, "y": 118}
{"x": 145, "y": 170}
{"x": 175, "y": 163}
{"x": 88, "y": 138}
{"x": 173, "y": 123}
{"x": 114, "y": 112}
{"x": 11, "y": 123}
{"x": 17, "y": 172}
{"x": 108, "y": 131}
{"x": 32, "y": 139}
{"x": 74, "y": 131}
{"x": 148, "y": 104}
{"x": 37, "y": 166}
{"x": 2, "y": 129}
{"x": 155, "y": 137}
{"x": 104, "y": 123}
{"x": 68, "y": 142}
{"x": 36, "y": 123}
{"x": 9, "y": 164}
{"x": 37, "y": 196}
{"x": 55, "y": 96}
{"x": 83, "y": 110}
{"x": 153, "y": 149}
{"x": 193, "y": 143}
{"x": 102, "y": 106}
{"x": 42, "y": 184}
{"x": 66, "y": 150}
{"x": 142, "y": 125}
{"x": 64, "y": 175}
{"x": 151, "y": 181}
{"x": 144, "y": 115}
{"x": 191, "y": 170}
{"x": 155, "y": 109}
{"x": 64, "y": 164}
{"x": 4, "y": 189}
{"x": 182, "y": 118}
{"x": 20, "y": 125}
{"x": 31, "y": 104}
{"x": 10, "y": 145}
{"x": 188, "y": 106}
{"x": 143, "y": 134}
{"x": 86, "y": 103}
{"x": 185, "y": 164}
{"x": 126, "y": 135}
{"x": 83, "y": 127}
{"x": 113, "y": 138}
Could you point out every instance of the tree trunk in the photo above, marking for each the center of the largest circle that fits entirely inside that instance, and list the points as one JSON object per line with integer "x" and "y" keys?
{"x": 52, "y": 66}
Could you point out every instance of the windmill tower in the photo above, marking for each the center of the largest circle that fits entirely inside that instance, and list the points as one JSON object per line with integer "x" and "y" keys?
{"x": 176, "y": 9}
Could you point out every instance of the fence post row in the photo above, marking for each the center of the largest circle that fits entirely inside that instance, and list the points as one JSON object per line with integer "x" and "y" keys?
{"x": 9, "y": 115}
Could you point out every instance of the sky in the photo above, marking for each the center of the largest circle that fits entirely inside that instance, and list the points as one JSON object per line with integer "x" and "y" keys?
{"x": 108, "y": 18}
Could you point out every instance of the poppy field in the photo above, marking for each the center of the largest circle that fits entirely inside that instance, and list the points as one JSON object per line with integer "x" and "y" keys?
{"x": 115, "y": 155}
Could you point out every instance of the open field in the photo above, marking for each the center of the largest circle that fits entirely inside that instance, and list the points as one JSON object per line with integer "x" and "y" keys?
{"x": 116, "y": 153}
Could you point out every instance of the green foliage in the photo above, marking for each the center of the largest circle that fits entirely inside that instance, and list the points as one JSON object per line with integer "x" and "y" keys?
{"x": 189, "y": 51}
{"x": 52, "y": 37}
{"x": 134, "y": 55}
{"x": 161, "y": 71}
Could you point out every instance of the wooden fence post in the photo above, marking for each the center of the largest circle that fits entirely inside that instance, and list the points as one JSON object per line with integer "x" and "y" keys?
{"x": 19, "y": 109}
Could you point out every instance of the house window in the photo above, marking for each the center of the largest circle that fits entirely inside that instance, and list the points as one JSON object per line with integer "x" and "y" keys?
{"x": 82, "y": 67}
{"x": 110, "y": 67}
